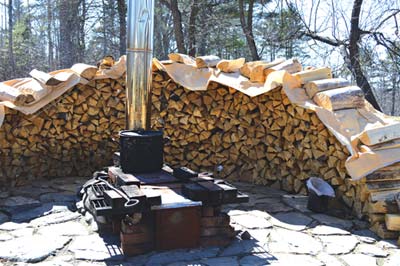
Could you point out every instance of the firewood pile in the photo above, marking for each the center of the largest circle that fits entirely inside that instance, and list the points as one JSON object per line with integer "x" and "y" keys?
{"x": 379, "y": 192}
{"x": 264, "y": 139}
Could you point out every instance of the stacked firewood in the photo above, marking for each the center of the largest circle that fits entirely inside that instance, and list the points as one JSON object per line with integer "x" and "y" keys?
{"x": 264, "y": 139}
{"x": 379, "y": 192}
{"x": 72, "y": 136}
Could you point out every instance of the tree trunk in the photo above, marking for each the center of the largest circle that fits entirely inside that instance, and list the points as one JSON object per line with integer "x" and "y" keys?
{"x": 49, "y": 35}
{"x": 66, "y": 45}
{"x": 177, "y": 21}
{"x": 248, "y": 28}
{"x": 81, "y": 43}
{"x": 122, "y": 26}
{"x": 394, "y": 88}
{"x": 355, "y": 36}
{"x": 104, "y": 28}
{"x": 192, "y": 28}
{"x": 10, "y": 37}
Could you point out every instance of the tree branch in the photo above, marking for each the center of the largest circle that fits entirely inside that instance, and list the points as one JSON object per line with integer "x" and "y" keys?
{"x": 319, "y": 38}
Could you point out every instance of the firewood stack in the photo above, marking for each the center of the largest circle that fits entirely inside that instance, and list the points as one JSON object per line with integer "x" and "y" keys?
{"x": 72, "y": 136}
{"x": 265, "y": 139}
{"x": 379, "y": 192}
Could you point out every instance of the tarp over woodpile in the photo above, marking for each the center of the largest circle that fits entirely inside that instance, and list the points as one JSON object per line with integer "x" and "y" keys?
{"x": 367, "y": 133}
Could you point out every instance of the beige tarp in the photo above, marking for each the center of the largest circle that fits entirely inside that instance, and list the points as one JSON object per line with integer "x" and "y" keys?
{"x": 346, "y": 125}
{"x": 51, "y": 93}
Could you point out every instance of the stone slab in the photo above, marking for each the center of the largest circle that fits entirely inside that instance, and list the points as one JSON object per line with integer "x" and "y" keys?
{"x": 335, "y": 245}
{"x": 291, "y": 220}
{"x": 286, "y": 241}
{"x": 31, "y": 248}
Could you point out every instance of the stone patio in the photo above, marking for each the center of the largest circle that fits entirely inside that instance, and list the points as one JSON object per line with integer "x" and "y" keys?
{"x": 39, "y": 225}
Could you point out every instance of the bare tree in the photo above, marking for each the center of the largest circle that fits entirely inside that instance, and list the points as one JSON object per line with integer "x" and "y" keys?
{"x": 354, "y": 54}
{"x": 352, "y": 37}
{"x": 122, "y": 26}
{"x": 247, "y": 26}
{"x": 194, "y": 10}
{"x": 10, "y": 36}
{"x": 49, "y": 34}
{"x": 177, "y": 20}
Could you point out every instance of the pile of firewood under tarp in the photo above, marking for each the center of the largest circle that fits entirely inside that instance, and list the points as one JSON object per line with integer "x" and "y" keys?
{"x": 266, "y": 139}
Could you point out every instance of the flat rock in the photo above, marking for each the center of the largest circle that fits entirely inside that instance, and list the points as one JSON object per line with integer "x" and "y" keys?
{"x": 332, "y": 221}
{"x": 96, "y": 248}
{"x": 30, "y": 191}
{"x": 242, "y": 247}
{"x": 139, "y": 260}
{"x": 261, "y": 235}
{"x": 57, "y": 197}
{"x": 329, "y": 260}
{"x": 56, "y": 218}
{"x": 297, "y": 202}
{"x": 359, "y": 259}
{"x": 339, "y": 244}
{"x": 372, "y": 250}
{"x": 70, "y": 187}
{"x": 5, "y": 236}
{"x": 10, "y": 226}
{"x": 63, "y": 260}
{"x": 18, "y": 204}
{"x": 185, "y": 263}
{"x": 286, "y": 241}
{"x": 27, "y": 231}
{"x": 31, "y": 249}
{"x": 291, "y": 220}
{"x": 387, "y": 244}
{"x": 291, "y": 260}
{"x": 45, "y": 209}
{"x": 260, "y": 259}
{"x": 4, "y": 194}
{"x": 260, "y": 213}
{"x": 393, "y": 260}
{"x": 183, "y": 255}
{"x": 4, "y": 218}
{"x": 272, "y": 205}
{"x": 220, "y": 261}
{"x": 251, "y": 221}
{"x": 267, "y": 191}
{"x": 328, "y": 230}
{"x": 236, "y": 212}
{"x": 366, "y": 236}
{"x": 65, "y": 229}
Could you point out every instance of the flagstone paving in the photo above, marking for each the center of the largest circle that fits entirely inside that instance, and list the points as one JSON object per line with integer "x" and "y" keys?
{"x": 39, "y": 225}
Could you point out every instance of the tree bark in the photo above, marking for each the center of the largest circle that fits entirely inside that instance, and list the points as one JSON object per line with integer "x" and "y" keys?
{"x": 10, "y": 37}
{"x": 66, "y": 45}
{"x": 247, "y": 27}
{"x": 81, "y": 43}
{"x": 192, "y": 28}
{"x": 177, "y": 21}
{"x": 354, "y": 54}
{"x": 49, "y": 35}
{"x": 105, "y": 43}
{"x": 122, "y": 26}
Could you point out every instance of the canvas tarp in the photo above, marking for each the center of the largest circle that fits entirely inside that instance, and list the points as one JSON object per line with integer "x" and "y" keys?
{"x": 345, "y": 125}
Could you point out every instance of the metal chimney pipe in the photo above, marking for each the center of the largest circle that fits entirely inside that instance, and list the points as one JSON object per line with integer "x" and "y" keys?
{"x": 139, "y": 63}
